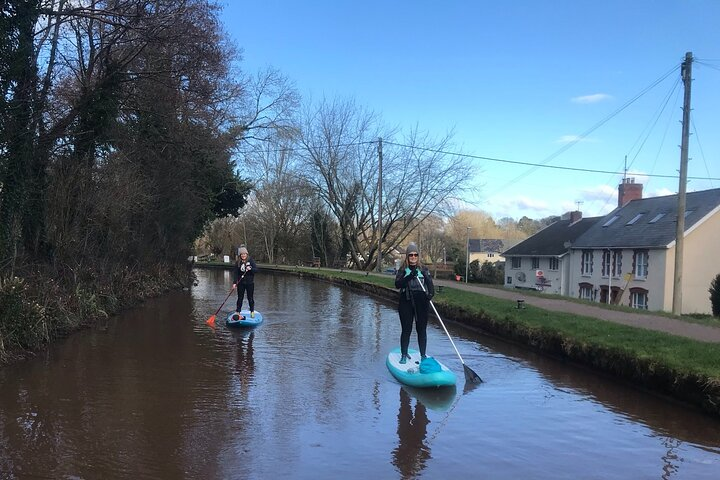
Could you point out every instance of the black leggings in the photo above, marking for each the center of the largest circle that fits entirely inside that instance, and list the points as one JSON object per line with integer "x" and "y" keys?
{"x": 250, "y": 289}
{"x": 407, "y": 312}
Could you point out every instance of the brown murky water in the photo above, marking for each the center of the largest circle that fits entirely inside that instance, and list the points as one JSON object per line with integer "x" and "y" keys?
{"x": 155, "y": 393}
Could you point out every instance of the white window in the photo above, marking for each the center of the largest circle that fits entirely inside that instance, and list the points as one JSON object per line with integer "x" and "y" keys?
{"x": 586, "y": 263}
{"x": 554, "y": 264}
{"x": 586, "y": 292}
{"x": 617, "y": 263}
{"x": 535, "y": 263}
{"x": 639, "y": 298}
{"x": 516, "y": 262}
{"x": 606, "y": 263}
{"x": 641, "y": 264}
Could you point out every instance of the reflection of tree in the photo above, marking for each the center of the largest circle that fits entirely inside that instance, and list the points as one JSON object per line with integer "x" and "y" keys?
{"x": 412, "y": 452}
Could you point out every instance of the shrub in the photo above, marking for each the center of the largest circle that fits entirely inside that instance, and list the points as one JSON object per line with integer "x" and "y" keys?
{"x": 715, "y": 295}
{"x": 23, "y": 323}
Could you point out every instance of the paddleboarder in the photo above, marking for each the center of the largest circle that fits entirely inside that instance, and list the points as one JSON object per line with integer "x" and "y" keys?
{"x": 245, "y": 280}
{"x": 416, "y": 290}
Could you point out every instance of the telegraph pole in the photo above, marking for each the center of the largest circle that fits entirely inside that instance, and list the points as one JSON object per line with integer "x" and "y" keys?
{"x": 686, "y": 73}
{"x": 379, "y": 259}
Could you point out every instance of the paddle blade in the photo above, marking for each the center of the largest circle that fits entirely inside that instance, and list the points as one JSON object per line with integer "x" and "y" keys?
{"x": 211, "y": 321}
{"x": 470, "y": 375}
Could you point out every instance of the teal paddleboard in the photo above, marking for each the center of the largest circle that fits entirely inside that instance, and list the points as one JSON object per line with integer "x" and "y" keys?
{"x": 243, "y": 319}
{"x": 419, "y": 373}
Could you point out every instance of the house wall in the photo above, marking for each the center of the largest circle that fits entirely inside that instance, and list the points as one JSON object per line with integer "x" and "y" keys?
{"x": 701, "y": 263}
{"x": 554, "y": 277}
{"x": 654, "y": 283}
{"x": 565, "y": 263}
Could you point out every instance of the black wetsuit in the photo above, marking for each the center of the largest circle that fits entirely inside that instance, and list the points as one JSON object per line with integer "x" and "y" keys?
{"x": 245, "y": 281}
{"x": 414, "y": 303}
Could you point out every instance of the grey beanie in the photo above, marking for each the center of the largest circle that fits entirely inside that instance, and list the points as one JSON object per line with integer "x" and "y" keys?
{"x": 412, "y": 248}
{"x": 242, "y": 250}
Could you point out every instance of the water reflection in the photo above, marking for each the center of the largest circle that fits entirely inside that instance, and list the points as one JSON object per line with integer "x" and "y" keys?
{"x": 412, "y": 452}
{"x": 158, "y": 394}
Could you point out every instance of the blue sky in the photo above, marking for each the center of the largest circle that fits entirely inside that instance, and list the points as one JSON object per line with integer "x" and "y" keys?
{"x": 515, "y": 81}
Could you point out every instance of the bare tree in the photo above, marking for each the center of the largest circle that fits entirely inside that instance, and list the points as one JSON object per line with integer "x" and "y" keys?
{"x": 339, "y": 144}
{"x": 278, "y": 212}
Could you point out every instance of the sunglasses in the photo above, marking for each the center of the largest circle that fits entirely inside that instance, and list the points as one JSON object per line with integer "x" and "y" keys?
{"x": 412, "y": 254}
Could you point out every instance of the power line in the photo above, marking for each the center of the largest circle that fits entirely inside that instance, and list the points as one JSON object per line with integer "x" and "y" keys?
{"x": 515, "y": 162}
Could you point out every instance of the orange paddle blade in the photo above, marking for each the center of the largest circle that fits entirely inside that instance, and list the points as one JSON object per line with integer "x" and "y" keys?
{"x": 211, "y": 321}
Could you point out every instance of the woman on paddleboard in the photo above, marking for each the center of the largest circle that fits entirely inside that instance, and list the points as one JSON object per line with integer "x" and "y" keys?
{"x": 414, "y": 302}
{"x": 245, "y": 280}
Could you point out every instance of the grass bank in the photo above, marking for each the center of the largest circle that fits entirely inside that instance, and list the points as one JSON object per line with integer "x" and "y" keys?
{"x": 683, "y": 369}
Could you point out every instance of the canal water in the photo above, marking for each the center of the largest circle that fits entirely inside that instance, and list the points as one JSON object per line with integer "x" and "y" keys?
{"x": 155, "y": 393}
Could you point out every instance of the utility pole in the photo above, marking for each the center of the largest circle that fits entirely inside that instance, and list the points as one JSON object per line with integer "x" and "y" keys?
{"x": 686, "y": 74}
{"x": 467, "y": 256}
{"x": 379, "y": 259}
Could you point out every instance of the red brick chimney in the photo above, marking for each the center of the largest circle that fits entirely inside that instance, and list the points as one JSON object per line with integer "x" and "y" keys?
{"x": 629, "y": 190}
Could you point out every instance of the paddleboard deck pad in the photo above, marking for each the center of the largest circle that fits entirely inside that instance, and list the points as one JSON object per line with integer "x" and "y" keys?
{"x": 419, "y": 373}
{"x": 243, "y": 319}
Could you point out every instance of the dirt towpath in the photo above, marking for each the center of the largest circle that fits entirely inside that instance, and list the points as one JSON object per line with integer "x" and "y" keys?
{"x": 703, "y": 333}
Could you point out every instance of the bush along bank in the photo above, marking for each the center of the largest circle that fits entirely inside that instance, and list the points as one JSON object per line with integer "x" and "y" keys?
{"x": 682, "y": 369}
{"x": 37, "y": 308}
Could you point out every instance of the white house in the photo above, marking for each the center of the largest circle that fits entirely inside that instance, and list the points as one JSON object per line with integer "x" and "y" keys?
{"x": 626, "y": 257}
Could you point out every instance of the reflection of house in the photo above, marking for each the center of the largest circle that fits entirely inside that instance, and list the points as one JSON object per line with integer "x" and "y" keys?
{"x": 482, "y": 249}
{"x": 630, "y": 252}
{"x": 542, "y": 261}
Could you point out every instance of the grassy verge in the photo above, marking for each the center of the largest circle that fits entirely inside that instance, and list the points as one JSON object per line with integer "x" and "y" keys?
{"x": 682, "y": 368}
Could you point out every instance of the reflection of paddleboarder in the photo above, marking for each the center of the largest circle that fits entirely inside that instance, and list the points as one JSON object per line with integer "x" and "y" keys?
{"x": 411, "y": 453}
{"x": 245, "y": 364}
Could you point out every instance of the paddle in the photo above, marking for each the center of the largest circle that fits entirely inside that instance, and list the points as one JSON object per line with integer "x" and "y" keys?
{"x": 211, "y": 321}
{"x": 470, "y": 375}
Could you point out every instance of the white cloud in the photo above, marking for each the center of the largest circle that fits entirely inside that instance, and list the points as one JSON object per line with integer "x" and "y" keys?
{"x": 531, "y": 204}
{"x": 662, "y": 192}
{"x": 594, "y": 98}
{"x": 598, "y": 193}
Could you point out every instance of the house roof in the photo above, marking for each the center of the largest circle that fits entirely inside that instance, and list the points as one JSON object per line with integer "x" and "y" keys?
{"x": 648, "y": 222}
{"x": 478, "y": 245}
{"x": 552, "y": 239}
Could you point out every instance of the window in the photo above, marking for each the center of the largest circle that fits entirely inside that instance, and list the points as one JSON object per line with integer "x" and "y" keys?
{"x": 657, "y": 217}
{"x": 509, "y": 280}
{"x": 640, "y": 266}
{"x": 586, "y": 262}
{"x": 617, "y": 263}
{"x": 606, "y": 259}
{"x": 586, "y": 291}
{"x": 535, "y": 263}
{"x": 516, "y": 262}
{"x": 639, "y": 298}
{"x": 490, "y": 255}
{"x": 554, "y": 264}
{"x": 611, "y": 221}
{"x": 635, "y": 219}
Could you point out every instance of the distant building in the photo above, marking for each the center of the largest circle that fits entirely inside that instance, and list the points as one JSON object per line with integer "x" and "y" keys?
{"x": 482, "y": 250}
